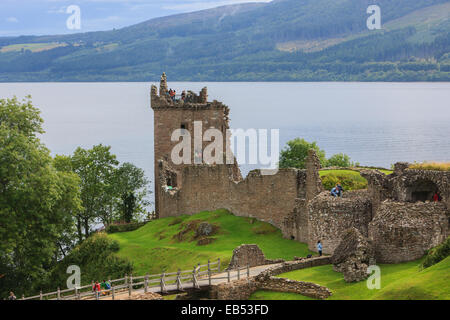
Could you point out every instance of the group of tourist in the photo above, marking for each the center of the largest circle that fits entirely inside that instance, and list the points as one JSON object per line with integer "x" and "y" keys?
{"x": 101, "y": 288}
{"x": 172, "y": 94}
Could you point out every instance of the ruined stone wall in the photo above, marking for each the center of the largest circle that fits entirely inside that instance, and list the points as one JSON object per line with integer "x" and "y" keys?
{"x": 404, "y": 231}
{"x": 295, "y": 224}
{"x": 249, "y": 255}
{"x": 268, "y": 198}
{"x": 307, "y": 289}
{"x": 242, "y": 289}
{"x": 329, "y": 217}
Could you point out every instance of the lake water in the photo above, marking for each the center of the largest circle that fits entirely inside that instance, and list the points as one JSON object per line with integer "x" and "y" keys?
{"x": 376, "y": 124}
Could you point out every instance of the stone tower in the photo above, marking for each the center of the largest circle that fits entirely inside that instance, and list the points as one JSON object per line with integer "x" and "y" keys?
{"x": 172, "y": 114}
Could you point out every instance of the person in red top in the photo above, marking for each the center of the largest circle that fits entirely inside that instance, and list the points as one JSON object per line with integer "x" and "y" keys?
{"x": 96, "y": 289}
{"x": 436, "y": 197}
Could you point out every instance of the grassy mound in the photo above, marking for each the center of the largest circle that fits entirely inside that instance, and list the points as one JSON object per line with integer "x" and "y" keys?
{"x": 348, "y": 178}
{"x": 171, "y": 243}
{"x": 405, "y": 281}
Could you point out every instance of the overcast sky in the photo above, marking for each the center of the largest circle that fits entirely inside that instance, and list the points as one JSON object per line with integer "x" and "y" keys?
{"x": 39, "y": 17}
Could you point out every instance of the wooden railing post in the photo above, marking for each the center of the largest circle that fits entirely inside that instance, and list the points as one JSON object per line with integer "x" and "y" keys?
{"x": 76, "y": 294}
{"x": 179, "y": 280}
{"x": 40, "y": 295}
{"x": 239, "y": 273}
{"x": 193, "y": 277}
{"x": 228, "y": 273}
{"x": 218, "y": 265}
{"x": 146, "y": 283}
{"x": 126, "y": 279}
{"x": 113, "y": 291}
{"x": 130, "y": 286}
{"x": 23, "y": 296}
{"x": 209, "y": 273}
{"x": 58, "y": 294}
{"x": 248, "y": 270}
{"x": 162, "y": 283}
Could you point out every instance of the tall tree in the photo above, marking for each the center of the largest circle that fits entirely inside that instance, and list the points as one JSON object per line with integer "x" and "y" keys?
{"x": 36, "y": 200}
{"x": 96, "y": 168}
{"x": 295, "y": 153}
{"x": 131, "y": 186}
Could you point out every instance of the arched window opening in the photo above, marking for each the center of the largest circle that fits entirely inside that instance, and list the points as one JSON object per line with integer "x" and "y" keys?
{"x": 423, "y": 190}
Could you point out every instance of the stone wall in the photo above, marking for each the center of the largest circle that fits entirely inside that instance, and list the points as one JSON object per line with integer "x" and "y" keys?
{"x": 268, "y": 198}
{"x": 329, "y": 217}
{"x": 404, "y": 231}
{"x": 308, "y": 289}
{"x": 251, "y": 255}
{"x": 242, "y": 289}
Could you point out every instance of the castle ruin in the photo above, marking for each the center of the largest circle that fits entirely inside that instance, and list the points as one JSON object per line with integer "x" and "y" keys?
{"x": 394, "y": 211}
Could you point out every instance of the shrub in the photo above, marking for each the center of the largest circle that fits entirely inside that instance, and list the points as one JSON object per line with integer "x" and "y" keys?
{"x": 437, "y": 254}
{"x": 340, "y": 160}
{"x": 97, "y": 261}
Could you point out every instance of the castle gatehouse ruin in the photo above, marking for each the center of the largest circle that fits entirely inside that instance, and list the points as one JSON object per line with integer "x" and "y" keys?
{"x": 395, "y": 212}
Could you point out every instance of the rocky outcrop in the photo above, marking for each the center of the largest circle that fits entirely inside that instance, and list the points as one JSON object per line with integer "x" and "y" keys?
{"x": 204, "y": 229}
{"x": 353, "y": 256}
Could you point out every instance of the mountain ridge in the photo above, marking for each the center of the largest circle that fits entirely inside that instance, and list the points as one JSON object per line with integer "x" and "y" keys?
{"x": 244, "y": 42}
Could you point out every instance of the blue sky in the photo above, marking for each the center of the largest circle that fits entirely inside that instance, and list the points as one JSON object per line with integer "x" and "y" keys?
{"x": 40, "y": 17}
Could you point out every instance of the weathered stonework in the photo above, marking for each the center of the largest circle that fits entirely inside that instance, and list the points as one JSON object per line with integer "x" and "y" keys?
{"x": 353, "y": 256}
{"x": 242, "y": 289}
{"x": 251, "y": 255}
{"x": 293, "y": 200}
{"x": 404, "y": 231}
{"x": 330, "y": 217}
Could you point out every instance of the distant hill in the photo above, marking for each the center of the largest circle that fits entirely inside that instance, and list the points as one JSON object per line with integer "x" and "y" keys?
{"x": 284, "y": 40}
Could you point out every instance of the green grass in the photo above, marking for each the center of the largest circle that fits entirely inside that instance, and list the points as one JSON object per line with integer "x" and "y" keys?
{"x": 152, "y": 248}
{"x": 273, "y": 295}
{"x": 348, "y": 178}
{"x": 33, "y": 47}
{"x": 403, "y": 281}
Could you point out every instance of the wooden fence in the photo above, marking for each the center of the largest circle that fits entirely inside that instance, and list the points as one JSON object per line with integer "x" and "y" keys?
{"x": 164, "y": 283}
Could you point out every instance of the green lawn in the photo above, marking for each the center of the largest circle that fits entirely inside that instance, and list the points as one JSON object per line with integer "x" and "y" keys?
{"x": 152, "y": 248}
{"x": 398, "y": 281}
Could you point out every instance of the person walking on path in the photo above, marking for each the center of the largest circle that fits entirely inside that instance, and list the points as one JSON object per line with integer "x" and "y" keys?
{"x": 319, "y": 248}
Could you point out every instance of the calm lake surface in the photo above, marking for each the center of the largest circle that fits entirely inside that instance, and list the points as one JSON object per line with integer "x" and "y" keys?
{"x": 377, "y": 124}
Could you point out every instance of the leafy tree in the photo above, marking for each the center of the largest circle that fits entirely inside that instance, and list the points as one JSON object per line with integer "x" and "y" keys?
{"x": 36, "y": 200}
{"x": 296, "y": 152}
{"x": 95, "y": 167}
{"x": 131, "y": 186}
{"x": 339, "y": 160}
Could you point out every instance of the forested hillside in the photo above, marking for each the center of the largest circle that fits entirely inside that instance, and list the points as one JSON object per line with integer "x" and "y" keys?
{"x": 284, "y": 40}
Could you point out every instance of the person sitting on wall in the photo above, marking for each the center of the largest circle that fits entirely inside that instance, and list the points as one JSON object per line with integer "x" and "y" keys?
{"x": 319, "y": 248}
{"x": 340, "y": 190}
{"x": 335, "y": 192}
{"x": 183, "y": 95}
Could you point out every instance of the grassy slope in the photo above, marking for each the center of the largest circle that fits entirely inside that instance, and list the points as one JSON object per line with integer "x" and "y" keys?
{"x": 151, "y": 254}
{"x": 398, "y": 281}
